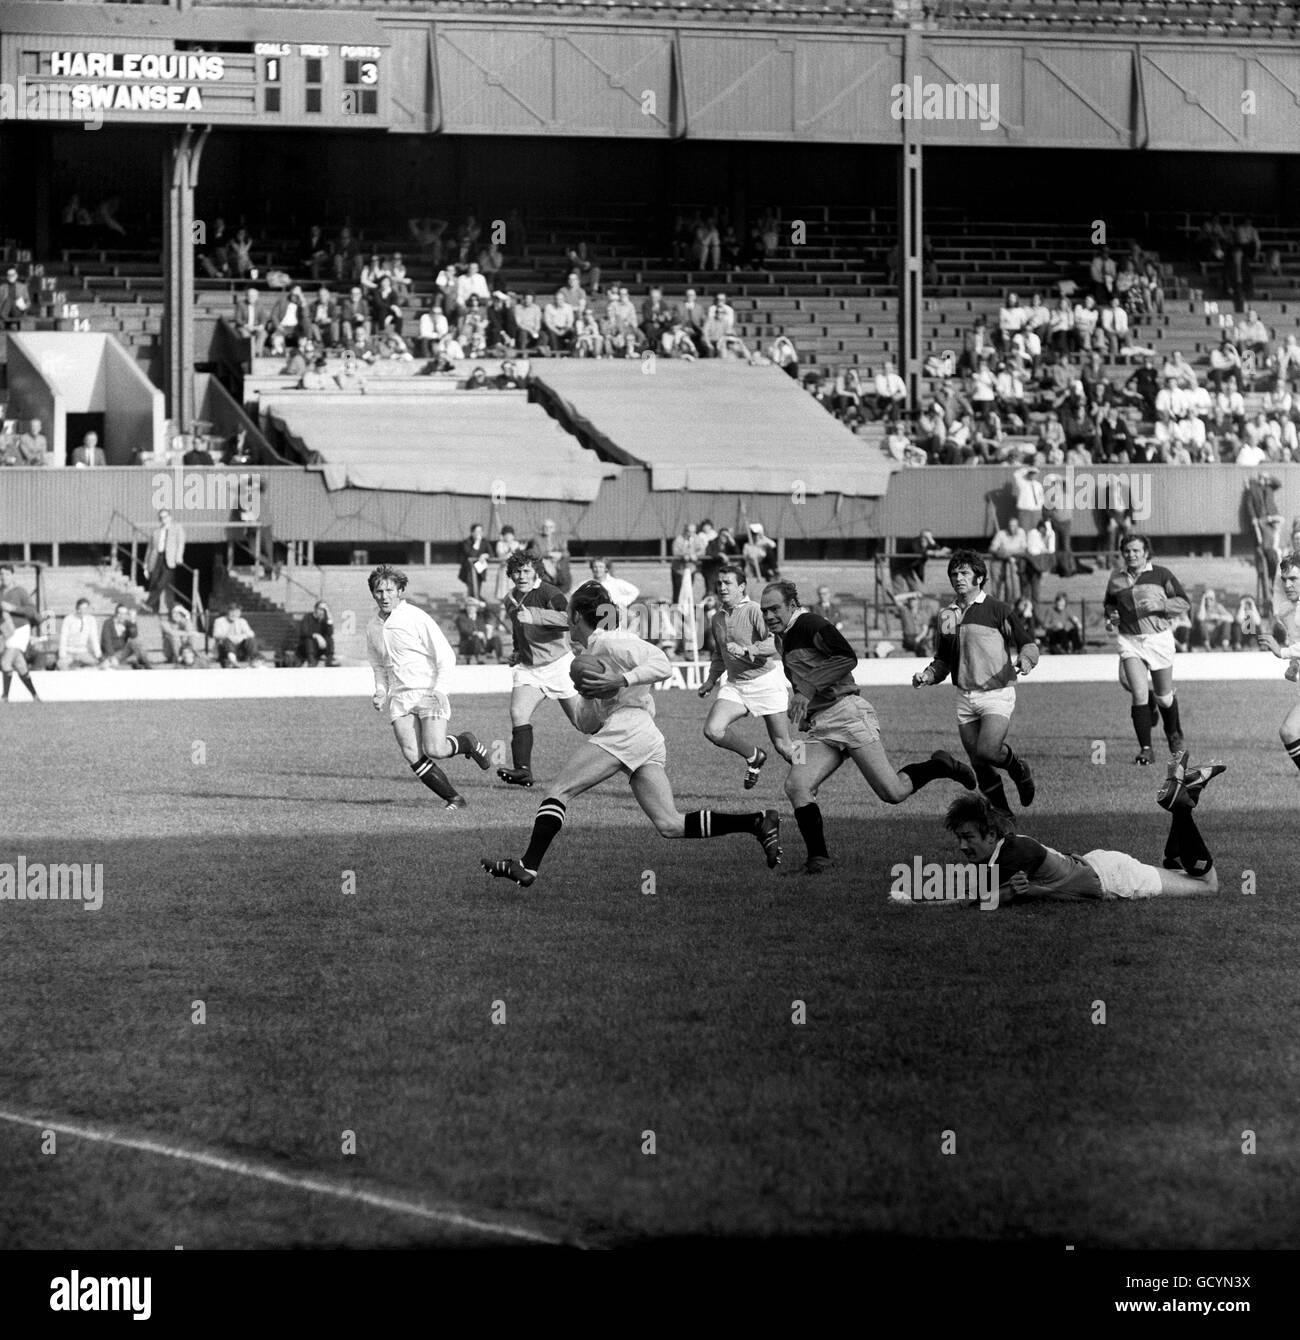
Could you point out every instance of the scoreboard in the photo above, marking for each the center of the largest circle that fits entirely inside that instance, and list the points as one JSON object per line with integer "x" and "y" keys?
{"x": 269, "y": 81}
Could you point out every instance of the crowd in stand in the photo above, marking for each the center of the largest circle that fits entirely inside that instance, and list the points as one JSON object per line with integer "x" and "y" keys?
{"x": 1038, "y": 387}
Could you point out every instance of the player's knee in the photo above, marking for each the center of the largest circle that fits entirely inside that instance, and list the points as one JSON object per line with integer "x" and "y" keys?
{"x": 713, "y": 734}
{"x": 797, "y": 792}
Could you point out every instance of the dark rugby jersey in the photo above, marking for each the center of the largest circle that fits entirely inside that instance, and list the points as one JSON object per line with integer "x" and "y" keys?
{"x": 539, "y": 621}
{"x": 1051, "y": 874}
{"x": 1147, "y": 602}
{"x": 818, "y": 661}
{"x": 976, "y": 644}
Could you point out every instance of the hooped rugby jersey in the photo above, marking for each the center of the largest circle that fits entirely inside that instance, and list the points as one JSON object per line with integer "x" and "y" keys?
{"x": 818, "y": 661}
{"x": 1145, "y": 602}
{"x": 976, "y": 644}
{"x": 539, "y": 621}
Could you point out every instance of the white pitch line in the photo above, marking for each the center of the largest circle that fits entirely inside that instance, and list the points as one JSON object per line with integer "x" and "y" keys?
{"x": 315, "y": 1185}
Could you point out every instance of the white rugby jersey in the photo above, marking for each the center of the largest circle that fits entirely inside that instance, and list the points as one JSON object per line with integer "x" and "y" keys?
{"x": 642, "y": 664}
{"x": 407, "y": 650}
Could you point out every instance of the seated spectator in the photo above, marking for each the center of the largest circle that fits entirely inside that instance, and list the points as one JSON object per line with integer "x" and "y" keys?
{"x": 290, "y": 318}
{"x": 316, "y": 378}
{"x": 589, "y": 341}
{"x": 469, "y": 285}
{"x": 252, "y": 320}
{"x": 1086, "y": 318}
{"x": 182, "y": 642}
{"x": 656, "y": 319}
{"x": 890, "y": 392}
{"x": 759, "y": 554}
{"x": 1114, "y": 329}
{"x": 197, "y": 453}
{"x": 582, "y": 262}
{"x": 15, "y": 299}
{"x": 1287, "y": 362}
{"x": 1213, "y": 624}
{"x": 1012, "y": 318}
{"x": 372, "y": 272}
{"x": 514, "y": 376}
{"x": 119, "y": 642}
{"x": 323, "y": 317}
{"x": 385, "y": 310}
{"x": 399, "y": 278}
{"x": 1061, "y": 327}
{"x": 502, "y": 332}
{"x": 354, "y": 315}
{"x": 491, "y": 261}
{"x": 234, "y": 638}
{"x": 528, "y": 323}
{"x": 471, "y": 332}
{"x": 472, "y": 648}
{"x": 1027, "y": 611}
{"x": 1153, "y": 291}
{"x": 316, "y": 636}
{"x": 89, "y": 453}
{"x": 1062, "y": 631}
{"x": 1225, "y": 361}
{"x": 559, "y": 320}
{"x": 1102, "y": 274}
{"x": 691, "y": 314}
{"x": 79, "y": 639}
{"x": 215, "y": 260}
{"x": 849, "y": 391}
{"x": 900, "y": 447}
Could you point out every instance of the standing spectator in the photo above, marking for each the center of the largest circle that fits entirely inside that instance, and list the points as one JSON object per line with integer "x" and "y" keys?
{"x": 165, "y": 554}
{"x": 706, "y": 243}
{"x": 316, "y": 636}
{"x": 686, "y": 557}
{"x": 234, "y": 638}
{"x": 1009, "y": 547}
{"x": 1028, "y": 491}
{"x": 622, "y": 593}
{"x": 15, "y": 299}
{"x": 89, "y": 453}
{"x": 120, "y": 641}
{"x": 722, "y": 551}
{"x": 553, "y": 554}
{"x": 79, "y": 639}
{"x": 240, "y": 253}
{"x": 32, "y": 446}
{"x": 473, "y": 561}
{"x": 506, "y": 544}
{"x": 347, "y": 257}
{"x": 828, "y": 609}
{"x": 1244, "y": 256}
{"x": 427, "y": 233}
{"x": 582, "y": 262}
{"x": 1040, "y": 556}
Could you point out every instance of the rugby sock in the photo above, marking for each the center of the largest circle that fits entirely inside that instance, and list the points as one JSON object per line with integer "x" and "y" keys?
{"x": 809, "y": 819}
{"x": 433, "y": 777}
{"x": 921, "y": 774}
{"x": 991, "y": 788}
{"x": 546, "y": 828}
{"x": 521, "y": 747}
{"x": 714, "y": 823}
{"x": 1193, "y": 855}
{"x": 28, "y": 685}
{"x": 8, "y": 679}
{"x": 1142, "y": 724}
{"x": 753, "y": 758}
{"x": 1292, "y": 747}
{"x": 1009, "y": 763}
{"x": 1169, "y": 715}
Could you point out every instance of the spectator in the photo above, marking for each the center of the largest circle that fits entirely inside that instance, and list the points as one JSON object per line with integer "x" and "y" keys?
{"x": 506, "y": 544}
{"x": 472, "y": 642}
{"x": 1062, "y": 631}
{"x": 1153, "y": 292}
{"x": 1102, "y": 273}
{"x": 181, "y": 639}
{"x": 1009, "y": 547}
{"x": 691, "y": 314}
{"x": 79, "y": 639}
{"x": 316, "y": 636}
{"x": 1028, "y": 490}
{"x": 15, "y": 299}
{"x": 721, "y": 551}
{"x": 890, "y": 392}
{"x": 316, "y": 378}
{"x": 1114, "y": 329}
{"x": 251, "y": 320}
{"x": 622, "y": 593}
{"x": 687, "y": 554}
{"x": 1145, "y": 384}
{"x": 385, "y": 310}
{"x": 164, "y": 555}
{"x": 1225, "y": 361}
{"x": 120, "y": 642}
{"x": 467, "y": 237}
{"x": 1213, "y": 625}
{"x": 656, "y": 319}
{"x": 398, "y": 277}
{"x": 582, "y": 263}
{"x": 588, "y": 341}
{"x": 1243, "y": 256}
{"x": 760, "y": 555}
{"x": 106, "y": 222}
{"x": 786, "y": 357}
{"x": 354, "y": 319}
{"x": 1012, "y": 319}
{"x": 528, "y": 323}
{"x": 290, "y": 319}
{"x": 470, "y": 284}
{"x": 706, "y": 243}
{"x": 473, "y": 561}
{"x": 1061, "y": 327}
{"x": 558, "y": 321}
{"x": 1086, "y": 319}
{"x": 32, "y": 447}
{"x": 471, "y": 332}
{"x": 553, "y": 553}
{"x": 89, "y": 453}
{"x": 1040, "y": 557}
{"x": 323, "y": 318}
{"x": 502, "y": 333}
{"x": 828, "y": 609}
{"x": 240, "y": 253}
{"x": 428, "y": 233}
{"x": 234, "y": 638}
{"x": 316, "y": 255}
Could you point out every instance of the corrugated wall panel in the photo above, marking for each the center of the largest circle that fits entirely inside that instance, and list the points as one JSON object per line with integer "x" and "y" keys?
{"x": 740, "y": 88}
{"x": 81, "y": 506}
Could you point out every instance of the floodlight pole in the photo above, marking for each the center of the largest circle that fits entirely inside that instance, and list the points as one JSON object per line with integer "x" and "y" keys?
{"x": 180, "y": 177}
{"x": 910, "y": 234}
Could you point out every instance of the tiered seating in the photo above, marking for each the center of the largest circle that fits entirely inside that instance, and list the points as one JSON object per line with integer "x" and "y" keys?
{"x": 1248, "y": 18}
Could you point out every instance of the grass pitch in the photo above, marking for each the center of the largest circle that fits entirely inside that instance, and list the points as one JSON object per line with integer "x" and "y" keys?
{"x": 629, "y": 1012}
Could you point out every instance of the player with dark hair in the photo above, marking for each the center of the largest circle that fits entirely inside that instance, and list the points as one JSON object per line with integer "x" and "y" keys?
{"x": 983, "y": 644}
{"x": 410, "y": 655}
{"x": 539, "y": 621}
{"x": 1286, "y": 611}
{"x": 18, "y": 616}
{"x": 616, "y": 711}
{"x": 1141, "y": 599}
{"x": 840, "y": 722}
{"x": 745, "y": 651}
{"x": 1028, "y": 869}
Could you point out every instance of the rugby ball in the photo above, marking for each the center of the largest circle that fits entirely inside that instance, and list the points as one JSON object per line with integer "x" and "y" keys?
{"x": 584, "y": 665}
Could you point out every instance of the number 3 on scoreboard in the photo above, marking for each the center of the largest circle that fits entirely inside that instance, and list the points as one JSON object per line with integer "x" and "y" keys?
{"x": 369, "y": 72}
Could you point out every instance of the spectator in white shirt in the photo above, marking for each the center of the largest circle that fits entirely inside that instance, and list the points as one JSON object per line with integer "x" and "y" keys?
{"x": 1085, "y": 317}
{"x": 234, "y": 637}
{"x": 1029, "y": 496}
{"x": 1252, "y": 333}
{"x": 1114, "y": 325}
{"x": 1012, "y": 318}
{"x": 558, "y": 322}
{"x": 79, "y": 639}
{"x": 891, "y": 391}
{"x": 621, "y": 592}
{"x": 1172, "y": 400}
{"x": 1250, "y": 455}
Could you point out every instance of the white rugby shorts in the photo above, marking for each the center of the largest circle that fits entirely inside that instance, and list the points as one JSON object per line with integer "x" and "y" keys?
{"x": 551, "y": 679}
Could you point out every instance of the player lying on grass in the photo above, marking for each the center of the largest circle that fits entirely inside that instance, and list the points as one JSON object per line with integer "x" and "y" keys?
{"x": 409, "y": 655}
{"x": 1028, "y": 870}
{"x": 983, "y": 645}
{"x": 840, "y": 723}
{"x": 1141, "y": 598}
{"x": 539, "y": 619}
{"x": 756, "y": 686}
{"x": 617, "y": 710}
{"x": 1286, "y": 610}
